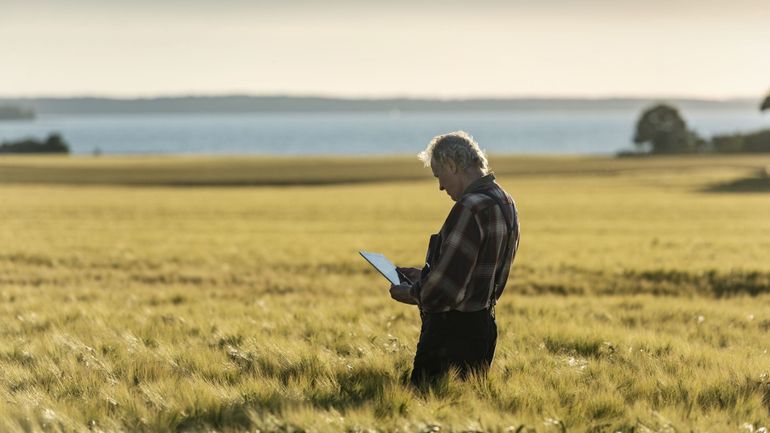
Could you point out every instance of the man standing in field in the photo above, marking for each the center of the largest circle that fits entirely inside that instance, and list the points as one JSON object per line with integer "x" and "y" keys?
{"x": 467, "y": 263}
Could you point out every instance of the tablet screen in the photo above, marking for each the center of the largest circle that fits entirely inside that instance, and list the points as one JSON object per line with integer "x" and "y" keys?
{"x": 385, "y": 266}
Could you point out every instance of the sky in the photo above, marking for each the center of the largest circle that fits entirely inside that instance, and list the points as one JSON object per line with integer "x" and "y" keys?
{"x": 397, "y": 48}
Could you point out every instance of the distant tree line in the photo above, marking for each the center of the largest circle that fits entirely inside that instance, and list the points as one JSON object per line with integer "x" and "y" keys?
{"x": 661, "y": 129}
{"x": 53, "y": 144}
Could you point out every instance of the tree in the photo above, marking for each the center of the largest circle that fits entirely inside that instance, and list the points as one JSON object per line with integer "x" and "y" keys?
{"x": 666, "y": 131}
{"x": 765, "y": 104}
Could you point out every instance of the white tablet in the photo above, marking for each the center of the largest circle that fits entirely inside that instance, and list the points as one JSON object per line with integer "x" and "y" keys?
{"x": 385, "y": 267}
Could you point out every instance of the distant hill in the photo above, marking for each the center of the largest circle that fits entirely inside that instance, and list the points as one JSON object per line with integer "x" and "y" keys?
{"x": 246, "y": 104}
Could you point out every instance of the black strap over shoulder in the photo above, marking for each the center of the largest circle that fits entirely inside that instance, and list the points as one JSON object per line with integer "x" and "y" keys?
{"x": 510, "y": 224}
{"x": 502, "y": 208}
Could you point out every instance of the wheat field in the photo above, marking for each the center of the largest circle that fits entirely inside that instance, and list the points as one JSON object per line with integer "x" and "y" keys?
{"x": 211, "y": 294}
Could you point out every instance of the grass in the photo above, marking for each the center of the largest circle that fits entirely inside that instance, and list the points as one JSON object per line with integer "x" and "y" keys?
{"x": 640, "y": 300}
{"x": 262, "y": 171}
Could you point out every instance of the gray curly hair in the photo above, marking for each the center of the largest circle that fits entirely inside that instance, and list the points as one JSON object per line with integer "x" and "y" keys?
{"x": 457, "y": 146}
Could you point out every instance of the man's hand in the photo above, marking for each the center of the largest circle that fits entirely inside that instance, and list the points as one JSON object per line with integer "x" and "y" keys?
{"x": 401, "y": 294}
{"x": 412, "y": 273}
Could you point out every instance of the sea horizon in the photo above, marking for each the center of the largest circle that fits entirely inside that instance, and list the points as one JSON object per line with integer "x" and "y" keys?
{"x": 517, "y": 127}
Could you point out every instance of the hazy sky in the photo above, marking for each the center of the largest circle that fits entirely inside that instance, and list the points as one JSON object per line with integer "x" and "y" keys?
{"x": 699, "y": 48}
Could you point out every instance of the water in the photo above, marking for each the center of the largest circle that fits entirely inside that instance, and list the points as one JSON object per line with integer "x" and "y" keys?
{"x": 362, "y": 133}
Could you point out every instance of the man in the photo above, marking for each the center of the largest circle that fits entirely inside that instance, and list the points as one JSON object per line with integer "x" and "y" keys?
{"x": 467, "y": 265}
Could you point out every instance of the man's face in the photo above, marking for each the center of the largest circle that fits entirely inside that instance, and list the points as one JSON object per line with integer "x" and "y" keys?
{"x": 448, "y": 178}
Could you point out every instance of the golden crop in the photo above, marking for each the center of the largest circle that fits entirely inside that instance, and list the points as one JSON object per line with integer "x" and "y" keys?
{"x": 132, "y": 301}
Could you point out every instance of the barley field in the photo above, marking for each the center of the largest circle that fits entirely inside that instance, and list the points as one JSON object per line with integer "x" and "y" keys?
{"x": 227, "y": 295}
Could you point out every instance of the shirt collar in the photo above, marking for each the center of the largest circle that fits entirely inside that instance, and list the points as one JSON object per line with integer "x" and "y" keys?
{"x": 480, "y": 183}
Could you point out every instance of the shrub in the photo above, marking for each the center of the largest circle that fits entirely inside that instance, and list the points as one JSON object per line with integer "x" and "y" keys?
{"x": 53, "y": 144}
{"x": 728, "y": 143}
{"x": 758, "y": 141}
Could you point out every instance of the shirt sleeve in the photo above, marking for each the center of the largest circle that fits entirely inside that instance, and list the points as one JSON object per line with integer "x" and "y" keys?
{"x": 445, "y": 286}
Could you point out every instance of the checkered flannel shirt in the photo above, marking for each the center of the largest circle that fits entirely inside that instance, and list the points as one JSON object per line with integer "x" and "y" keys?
{"x": 473, "y": 235}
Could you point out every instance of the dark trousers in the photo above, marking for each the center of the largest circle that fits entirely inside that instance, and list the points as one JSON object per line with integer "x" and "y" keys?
{"x": 465, "y": 341}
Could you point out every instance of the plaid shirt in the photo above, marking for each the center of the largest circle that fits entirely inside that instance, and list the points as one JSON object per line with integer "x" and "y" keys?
{"x": 473, "y": 235}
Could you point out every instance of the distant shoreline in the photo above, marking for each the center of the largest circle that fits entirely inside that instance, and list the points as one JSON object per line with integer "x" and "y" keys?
{"x": 282, "y": 104}
{"x": 11, "y": 112}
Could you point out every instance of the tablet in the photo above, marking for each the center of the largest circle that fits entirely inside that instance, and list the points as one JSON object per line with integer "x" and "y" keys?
{"x": 385, "y": 267}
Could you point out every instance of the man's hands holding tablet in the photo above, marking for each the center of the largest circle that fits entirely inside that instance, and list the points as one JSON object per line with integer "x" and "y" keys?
{"x": 401, "y": 292}
{"x": 412, "y": 273}
{"x": 401, "y": 279}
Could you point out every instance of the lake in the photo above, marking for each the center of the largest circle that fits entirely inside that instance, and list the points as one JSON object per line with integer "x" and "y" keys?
{"x": 362, "y": 133}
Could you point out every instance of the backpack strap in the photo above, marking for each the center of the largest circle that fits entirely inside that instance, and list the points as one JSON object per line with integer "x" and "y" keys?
{"x": 510, "y": 225}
